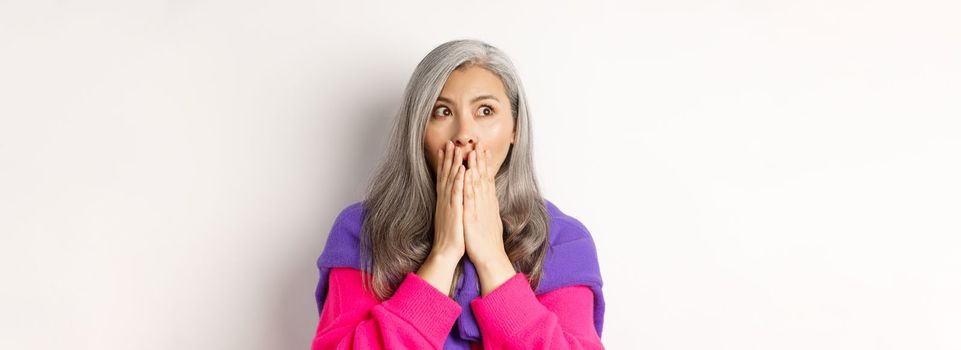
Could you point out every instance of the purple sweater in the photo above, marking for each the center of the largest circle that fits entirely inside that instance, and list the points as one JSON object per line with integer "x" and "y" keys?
{"x": 571, "y": 260}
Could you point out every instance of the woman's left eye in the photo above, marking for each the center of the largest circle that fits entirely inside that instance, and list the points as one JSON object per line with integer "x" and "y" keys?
{"x": 486, "y": 110}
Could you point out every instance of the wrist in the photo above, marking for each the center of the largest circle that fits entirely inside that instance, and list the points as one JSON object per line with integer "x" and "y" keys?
{"x": 439, "y": 257}
{"x": 498, "y": 264}
{"x": 438, "y": 271}
{"x": 494, "y": 272}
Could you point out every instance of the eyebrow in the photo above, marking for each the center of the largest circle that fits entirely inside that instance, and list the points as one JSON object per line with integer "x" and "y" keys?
{"x": 478, "y": 98}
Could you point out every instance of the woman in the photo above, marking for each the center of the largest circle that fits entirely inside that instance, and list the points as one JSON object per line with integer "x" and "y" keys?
{"x": 453, "y": 246}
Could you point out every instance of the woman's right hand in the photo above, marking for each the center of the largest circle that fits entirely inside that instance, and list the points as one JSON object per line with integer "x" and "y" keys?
{"x": 449, "y": 214}
{"x": 449, "y": 246}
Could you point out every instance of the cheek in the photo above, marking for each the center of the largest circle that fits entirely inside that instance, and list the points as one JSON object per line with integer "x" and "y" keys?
{"x": 498, "y": 134}
{"x": 502, "y": 138}
{"x": 430, "y": 152}
{"x": 435, "y": 138}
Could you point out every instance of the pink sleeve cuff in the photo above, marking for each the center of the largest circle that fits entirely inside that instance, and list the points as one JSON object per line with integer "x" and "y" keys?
{"x": 425, "y": 307}
{"x": 508, "y": 308}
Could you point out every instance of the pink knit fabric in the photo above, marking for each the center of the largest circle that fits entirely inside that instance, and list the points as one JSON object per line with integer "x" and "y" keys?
{"x": 418, "y": 316}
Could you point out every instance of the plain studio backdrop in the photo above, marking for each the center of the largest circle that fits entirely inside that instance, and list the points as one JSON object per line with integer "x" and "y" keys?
{"x": 755, "y": 174}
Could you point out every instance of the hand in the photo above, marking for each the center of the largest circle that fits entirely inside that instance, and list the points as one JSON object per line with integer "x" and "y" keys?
{"x": 448, "y": 248}
{"x": 483, "y": 229}
{"x": 449, "y": 214}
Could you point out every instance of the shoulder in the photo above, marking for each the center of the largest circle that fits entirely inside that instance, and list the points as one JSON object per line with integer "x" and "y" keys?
{"x": 343, "y": 241}
{"x": 565, "y": 228}
{"x": 348, "y": 223}
{"x": 572, "y": 255}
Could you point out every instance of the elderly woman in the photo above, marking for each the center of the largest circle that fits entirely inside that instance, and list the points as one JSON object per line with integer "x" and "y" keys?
{"x": 454, "y": 247}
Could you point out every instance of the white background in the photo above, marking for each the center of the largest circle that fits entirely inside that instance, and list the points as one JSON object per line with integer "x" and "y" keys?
{"x": 756, "y": 174}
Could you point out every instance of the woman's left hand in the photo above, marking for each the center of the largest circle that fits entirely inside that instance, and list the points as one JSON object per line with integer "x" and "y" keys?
{"x": 483, "y": 229}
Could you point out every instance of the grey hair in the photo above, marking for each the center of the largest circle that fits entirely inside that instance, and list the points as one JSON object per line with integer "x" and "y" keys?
{"x": 400, "y": 200}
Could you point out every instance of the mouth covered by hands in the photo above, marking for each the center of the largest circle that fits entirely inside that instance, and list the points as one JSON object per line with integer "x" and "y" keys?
{"x": 469, "y": 197}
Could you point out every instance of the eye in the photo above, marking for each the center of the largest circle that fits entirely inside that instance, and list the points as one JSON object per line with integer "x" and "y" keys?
{"x": 486, "y": 110}
{"x": 441, "y": 111}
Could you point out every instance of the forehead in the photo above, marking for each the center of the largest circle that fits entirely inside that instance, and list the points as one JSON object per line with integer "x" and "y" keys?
{"x": 472, "y": 80}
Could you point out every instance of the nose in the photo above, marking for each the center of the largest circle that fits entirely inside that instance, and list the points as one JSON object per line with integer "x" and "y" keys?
{"x": 466, "y": 139}
{"x": 465, "y": 147}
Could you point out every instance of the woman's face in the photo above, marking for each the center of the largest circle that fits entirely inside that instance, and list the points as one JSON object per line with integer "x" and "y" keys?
{"x": 473, "y": 107}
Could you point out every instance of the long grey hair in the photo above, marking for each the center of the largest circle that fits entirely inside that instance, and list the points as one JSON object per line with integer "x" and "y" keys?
{"x": 400, "y": 200}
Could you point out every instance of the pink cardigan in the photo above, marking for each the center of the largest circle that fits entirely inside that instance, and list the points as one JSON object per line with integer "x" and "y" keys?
{"x": 418, "y": 316}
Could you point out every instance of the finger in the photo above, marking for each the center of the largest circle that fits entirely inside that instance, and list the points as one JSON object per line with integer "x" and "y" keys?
{"x": 438, "y": 165}
{"x": 483, "y": 163}
{"x": 472, "y": 162}
{"x": 469, "y": 190}
{"x": 445, "y": 172}
{"x": 455, "y": 160}
{"x": 481, "y": 181}
{"x": 438, "y": 162}
{"x": 475, "y": 201}
{"x": 457, "y": 197}
{"x": 476, "y": 194}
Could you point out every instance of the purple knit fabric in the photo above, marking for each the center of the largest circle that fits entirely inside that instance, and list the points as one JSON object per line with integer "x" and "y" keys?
{"x": 571, "y": 260}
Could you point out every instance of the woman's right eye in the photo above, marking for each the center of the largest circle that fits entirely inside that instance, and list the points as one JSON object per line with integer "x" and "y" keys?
{"x": 441, "y": 111}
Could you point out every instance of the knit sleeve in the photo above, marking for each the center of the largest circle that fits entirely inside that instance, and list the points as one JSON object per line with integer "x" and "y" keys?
{"x": 513, "y": 317}
{"x": 417, "y": 316}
